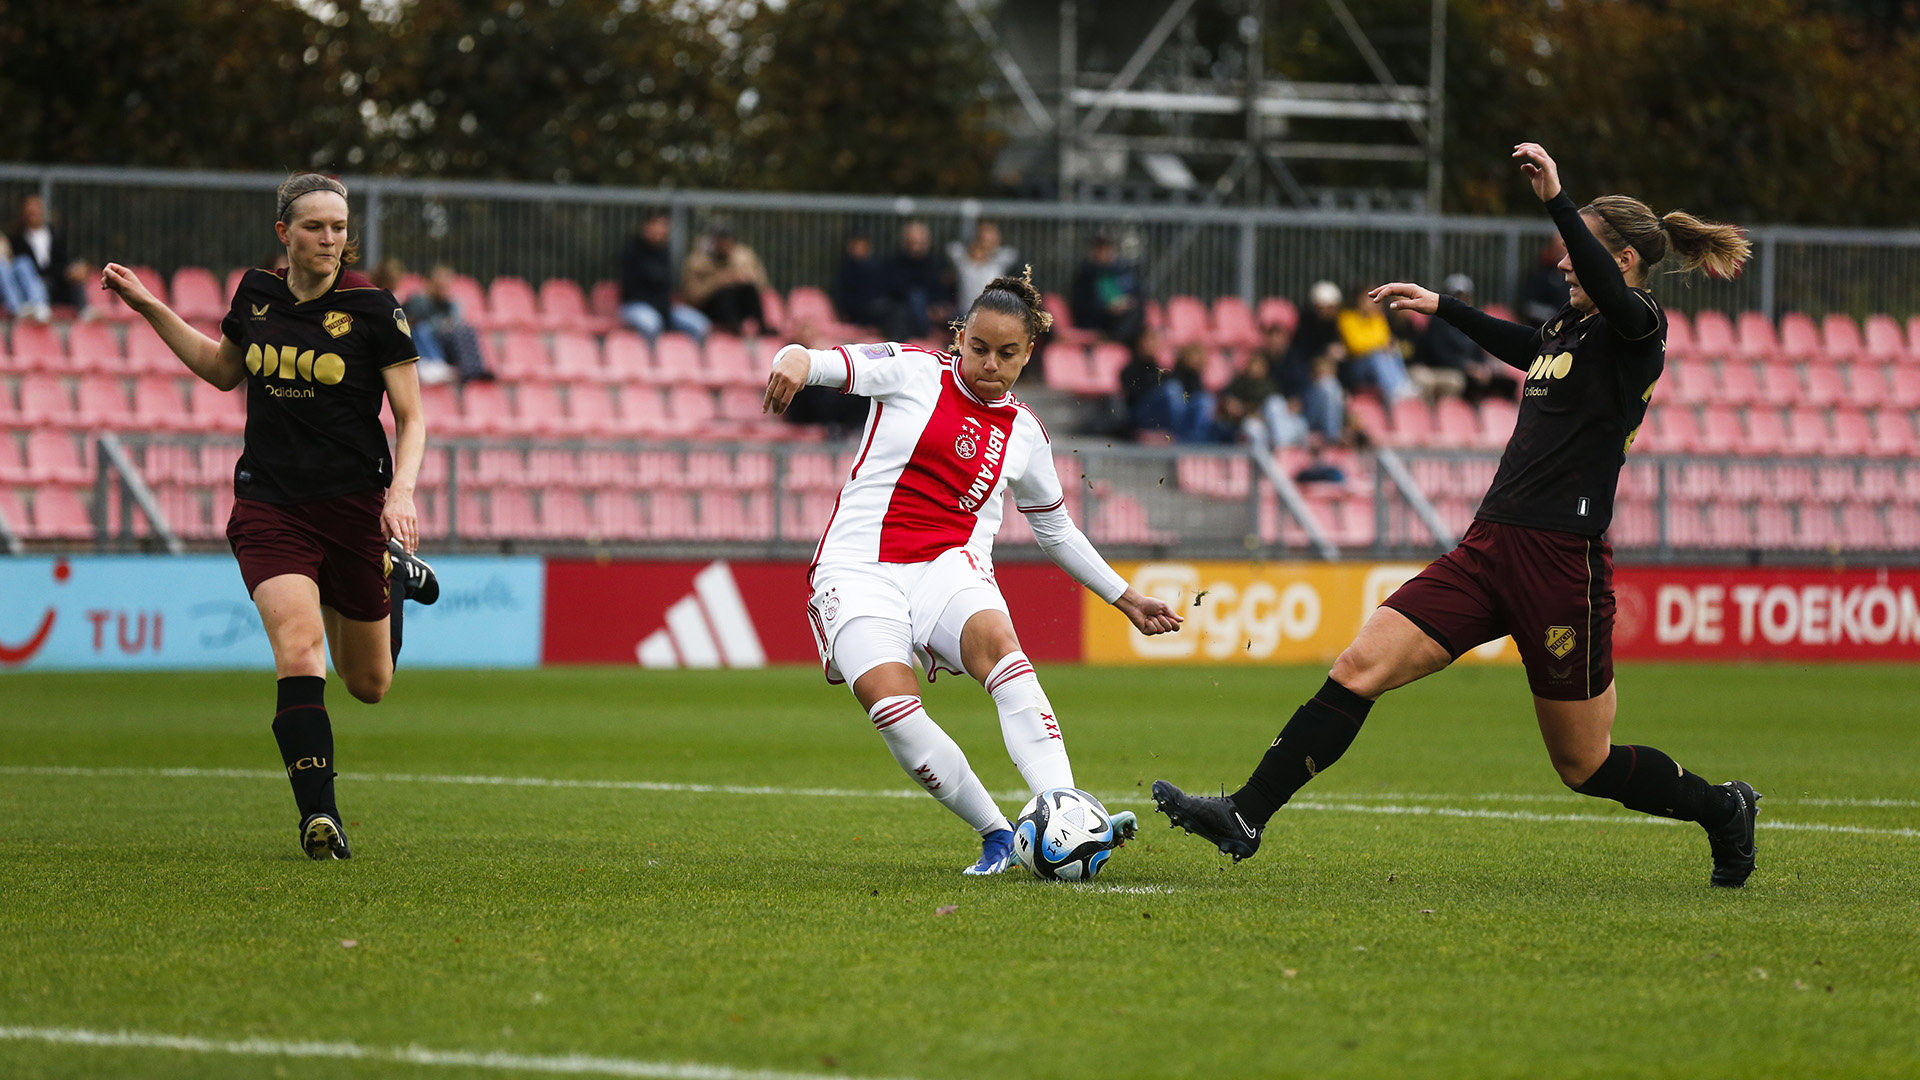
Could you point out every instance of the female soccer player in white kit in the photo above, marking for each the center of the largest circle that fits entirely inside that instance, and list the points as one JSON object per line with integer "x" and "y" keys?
{"x": 905, "y": 568}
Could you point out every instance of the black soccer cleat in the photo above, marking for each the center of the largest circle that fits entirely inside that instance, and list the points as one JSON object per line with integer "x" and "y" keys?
{"x": 417, "y": 579}
{"x": 321, "y": 836}
{"x": 1732, "y": 843}
{"x": 1211, "y": 817}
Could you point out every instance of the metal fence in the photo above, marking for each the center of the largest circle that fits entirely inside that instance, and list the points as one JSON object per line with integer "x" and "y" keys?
{"x": 167, "y": 219}
{"x": 771, "y": 500}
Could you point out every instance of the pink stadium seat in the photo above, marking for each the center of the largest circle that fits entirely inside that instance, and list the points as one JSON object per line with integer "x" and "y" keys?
{"x": 1779, "y": 384}
{"x": 1866, "y": 383}
{"x": 36, "y": 347}
{"x": 1840, "y": 338}
{"x": 1371, "y": 417}
{"x": 1233, "y": 325}
{"x": 103, "y": 403}
{"x": 1893, "y": 434}
{"x": 728, "y": 363}
{"x": 197, "y": 295}
{"x": 677, "y": 358}
{"x": 1213, "y": 476}
{"x": 1105, "y": 360}
{"x": 93, "y": 346}
{"x": 740, "y": 404}
{"x": 1218, "y": 371}
{"x": 643, "y": 410}
{"x": 1913, "y": 337}
{"x": 1862, "y": 528}
{"x": 1903, "y": 382}
{"x": 1122, "y": 519}
{"x": 630, "y": 359}
{"x": 1852, "y": 433}
{"x": 146, "y": 353}
{"x": 44, "y": 400}
{"x": 808, "y": 306}
{"x": 214, "y": 410}
{"x": 510, "y": 513}
{"x": 1739, "y": 383}
{"x": 564, "y": 514}
{"x": 1186, "y": 320}
{"x": 522, "y": 354}
{"x": 564, "y": 307}
{"x": 576, "y": 355}
{"x": 774, "y": 307}
{"x": 1064, "y": 332}
{"x": 690, "y": 409}
{"x": 472, "y": 299}
{"x": 1454, "y": 423}
{"x": 1685, "y": 382}
{"x": 1826, "y": 385}
{"x": 1799, "y": 337}
{"x": 538, "y": 410}
{"x": 670, "y": 516}
{"x": 1883, "y": 340}
{"x": 58, "y": 457}
{"x": 13, "y": 462}
{"x": 1068, "y": 368}
{"x": 1807, "y": 431}
{"x": 617, "y": 515}
{"x": 1413, "y": 423}
{"x": 813, "y": 470}
{"x": 60, "y": 513}
{"x": 592, "y": 409}
{"x": 1757, "y": 338}
{"x": 1713, "y": 334}
{"x": 512, "y": 302}
{"x": 1766, "y": 432}
{"x": 232, "y": 284}
{"x": 603, "y": 300}
{"x": 1680, "y": 343}
{"x": 484, "y": 409}
{"x": 1720, "y": 431}
{"x": 1903, "y": 526}
{"x": 1277, "y": 309}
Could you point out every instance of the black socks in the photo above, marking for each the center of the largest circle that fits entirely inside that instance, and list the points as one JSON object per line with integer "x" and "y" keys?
{"x": 397, "y": 591}
{"x": 1320, "y": 731}
{"x": 305, "y": 735}
{"x": 1644, "y": 779}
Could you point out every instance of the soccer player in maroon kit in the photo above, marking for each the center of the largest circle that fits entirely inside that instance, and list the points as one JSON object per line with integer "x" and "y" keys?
{"x": 1535, "y": 564}
{"x": 323, "y": 521}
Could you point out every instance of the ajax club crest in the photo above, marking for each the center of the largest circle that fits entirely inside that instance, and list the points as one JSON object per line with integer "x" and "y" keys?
{"x": 965, "y": 447}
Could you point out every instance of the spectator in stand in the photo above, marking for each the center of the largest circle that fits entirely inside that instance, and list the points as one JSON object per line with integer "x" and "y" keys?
{"x": 1180, "y": 405}
{"x": 920, "y": 284}
{"x": 389, "y": 274}
{"x": 1140, "y": 377}
{"x": 976, "y": 264}
{"x": 646, "y": 285}
{"x": 1108, "y": 297}
{"x": 723, "y": 278}
{"x": 1308, "y": 380}
{"x": 860, "y": 287}
{"x": 447, "y": 342}
{"x": 1453, "y": 364}
{"x": 21, "y": 288}
{"x": 1252, "y": 407}
{"x": 62, "y": 277}
{"x": 1544, "y": 292}
{"x": 1374, "y": 357}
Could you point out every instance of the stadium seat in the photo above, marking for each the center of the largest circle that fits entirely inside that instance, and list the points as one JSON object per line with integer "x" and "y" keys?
{"x": 214, "y": 410}
{"x": 147, "y": 353}
{"x": 521, "y": 355}
{"x": 1413, "y": 423}
{"x": 814, "y": 470}
{"x": 603, "y": 300}
{"x": 59, "y": 513}
{"x": 1863, "y": 528}
{"x": 618, "y": 516}
{"x": 729, "y": 363}
{"x": 1713, "y": 335}
{"x": 1893, "y": 434}
{"x": 1779, "y": 384}
{"x": 808, "y": 306}
{"x": 1636, "y": 524}
{"x": 59, "y": 457}
{"x": 1068, "y": 368}
{"x": 1186, "y": 321}
{"x": 44, "y": 400}
{"x": 1739, "y": 383}
{"x": 1826, "y": 385}
{"x": 670, "y": 516}
{"x": 1213, "y": 476}
{"x": 93, "y": 346}
{"x": 232, "y": 284}
{"x": 1852, "y": 433}
{"x": 1799, "y": 338}
{"x": 629, "y": 358}
{"x": 563, "y": 306}
{"x": 197, "y": 295}
{"x": 1680, "y": 343}
{"x": 472, "y": 299}
{"x": 1913, "y": 338}
{"x": 1105, "y": 360}
{"x": 643, "y": 410}
{"x": 593, "y": 409}
{"x": 1233, "y": 325}
{"x": 803, "y": 516}
{"x": 1883, "y": 340}
{"x": 1756, "y": 336}
{"x": 1766, "y": 432}
{"x": 1807, "y": 431}
{"x": 774, "y": 307}
{"x": 1370, "y": 417}
{"x": 102, "y": 403}
{"x": 485, "y": 410}
{"x": 1064, "y": 332}
{"x": 1840, "y": 340}
{"x": 1866, "y": 384}
{"x": 512, "y": 303}
{"x": 510, "y": 513}
{"x": 1720, "y": 431}
{"x": 1903, "y": 386}
{"x": 690, "y": 409}
{"x": 1218, "y": 372}
{"x": 1121, "y": 519}
{"x": 539, "y": 411}
{"x": 564, "y": 514}
{"x": 35, "y": 347}
{"x": 576, "y": 355}
{"x": 1686, "y": 382}
{"x": 1277, "y": 309}
{"x": 1455, "y": 423}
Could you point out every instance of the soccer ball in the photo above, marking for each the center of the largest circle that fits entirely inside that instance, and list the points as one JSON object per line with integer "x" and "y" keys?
{"x": 1064, "y": 834}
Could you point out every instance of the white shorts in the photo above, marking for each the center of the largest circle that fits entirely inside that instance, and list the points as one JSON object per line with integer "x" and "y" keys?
{"x": 932, "y": 600}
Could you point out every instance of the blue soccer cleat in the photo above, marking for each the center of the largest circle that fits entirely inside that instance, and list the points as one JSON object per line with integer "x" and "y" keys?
{"x": 996, "y": 854}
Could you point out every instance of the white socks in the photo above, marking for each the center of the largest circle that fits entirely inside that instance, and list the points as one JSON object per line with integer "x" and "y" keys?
{"x": 1027, "y": 724}
{"x": 936, "y": 762}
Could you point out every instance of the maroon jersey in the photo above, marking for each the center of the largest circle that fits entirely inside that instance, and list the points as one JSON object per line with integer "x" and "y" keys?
{"x": 1588, "y": 380}
{"x": 314, "y": 386}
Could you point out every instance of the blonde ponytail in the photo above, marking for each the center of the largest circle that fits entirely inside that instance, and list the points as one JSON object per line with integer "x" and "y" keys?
{"x": 1718, "y": 248}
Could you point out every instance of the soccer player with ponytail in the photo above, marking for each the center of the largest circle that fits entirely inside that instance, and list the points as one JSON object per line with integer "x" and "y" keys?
{"x": 323, "y": 523}
{"x": 1535, "y": 564}
{"x": 905, "y": 568}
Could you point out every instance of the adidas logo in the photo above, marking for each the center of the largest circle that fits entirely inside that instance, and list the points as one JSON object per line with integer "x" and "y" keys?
{"x": 709, "y": 628}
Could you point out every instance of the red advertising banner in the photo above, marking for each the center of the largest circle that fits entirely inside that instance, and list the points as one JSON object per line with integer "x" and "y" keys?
{"x": 747, "y": 614}
{"x": 1684, "y": 613}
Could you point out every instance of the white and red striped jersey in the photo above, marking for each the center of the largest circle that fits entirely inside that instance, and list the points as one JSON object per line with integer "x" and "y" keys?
{"x": 934, "y": 463}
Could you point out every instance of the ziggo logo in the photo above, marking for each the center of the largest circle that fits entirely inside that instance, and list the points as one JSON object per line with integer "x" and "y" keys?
{"x": 1225, "y": 620}
{"x": 288, "y": 362}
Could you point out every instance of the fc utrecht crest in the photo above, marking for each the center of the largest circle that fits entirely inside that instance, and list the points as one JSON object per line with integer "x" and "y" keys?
{"x": 1560, "y": 641}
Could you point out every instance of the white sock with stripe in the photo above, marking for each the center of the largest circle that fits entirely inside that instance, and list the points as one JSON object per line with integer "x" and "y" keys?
{"x": 1027, "y": 724}
{"x": 935, "y": 762}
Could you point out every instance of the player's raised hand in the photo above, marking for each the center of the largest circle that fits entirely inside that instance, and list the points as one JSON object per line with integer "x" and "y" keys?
{"x": 119, "y": 279}
{"x": 788, "y": 376}
{"x": 1148, "y": 615}
{"x": 1406, "y": 296}
{"x": 1539, "y": 168}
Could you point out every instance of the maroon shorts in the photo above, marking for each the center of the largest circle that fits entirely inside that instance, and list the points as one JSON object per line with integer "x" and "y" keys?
{"x": 1552, "y": 591}
{"x": 336, "y": 542}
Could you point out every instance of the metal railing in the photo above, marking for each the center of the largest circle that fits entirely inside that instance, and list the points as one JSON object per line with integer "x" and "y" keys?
{"x": 172, "y": 218}
{"x": 769, "y": 500}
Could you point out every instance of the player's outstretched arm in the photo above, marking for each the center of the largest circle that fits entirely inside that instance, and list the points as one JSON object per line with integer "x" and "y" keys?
{"x": 1600, "y": 276}
{"x": 218, "y": 362}
{"x": 1511, "y": 342}
{"x": 790, "y": 367}
{"x": 1148, "y": 614}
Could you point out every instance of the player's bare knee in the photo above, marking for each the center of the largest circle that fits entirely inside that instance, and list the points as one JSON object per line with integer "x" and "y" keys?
{"x": 1576, "y": 769}
{"x": 1360, "y": 671}
{"x": 369, "y": 687}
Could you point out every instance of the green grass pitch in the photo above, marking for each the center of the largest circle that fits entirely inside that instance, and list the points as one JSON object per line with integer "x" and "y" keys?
{"x": 1436, "y": 905}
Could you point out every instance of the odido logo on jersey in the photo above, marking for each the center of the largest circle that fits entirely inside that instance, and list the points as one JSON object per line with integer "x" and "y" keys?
{"x": 293, "y": 364}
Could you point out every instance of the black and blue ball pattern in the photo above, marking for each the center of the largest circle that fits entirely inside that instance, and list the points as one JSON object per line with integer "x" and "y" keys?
{"x": 1063, "y": 834}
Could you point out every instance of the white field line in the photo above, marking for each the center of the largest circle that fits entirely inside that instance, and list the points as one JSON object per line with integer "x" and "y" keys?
{"x": 1407, "y": 805}
{"x": 570, "y": 1064}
